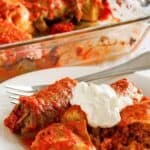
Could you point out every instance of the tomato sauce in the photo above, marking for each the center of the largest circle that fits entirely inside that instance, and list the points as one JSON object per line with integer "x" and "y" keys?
{"x": 106, "y": 11}
{"x": 10, "y": 33}
{"x": 61, "y": 27}
{"x": 27, "y": 142}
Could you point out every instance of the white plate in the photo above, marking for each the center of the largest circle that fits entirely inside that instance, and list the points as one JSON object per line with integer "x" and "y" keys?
{"x": 9, "y": 141}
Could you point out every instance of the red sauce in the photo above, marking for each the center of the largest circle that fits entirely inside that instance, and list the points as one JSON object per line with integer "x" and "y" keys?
{"x": 62, "y": 27}
{"x": 27, "y": 142}
{"x": 10, "y": 122}
{"x": 106, "y": 11}
{"x": 84, "y": 53}
{"x": 135, "y": 113}
{"x": 9, "y": 33}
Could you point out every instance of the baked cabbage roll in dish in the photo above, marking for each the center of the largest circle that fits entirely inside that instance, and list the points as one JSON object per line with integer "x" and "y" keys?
{"x": 17, "y": 14}
{"x": 44, "y": 15}
{"x": 89, "y": 10}
{"x": 38, "y": 18}
{"x": 10, "y": 33}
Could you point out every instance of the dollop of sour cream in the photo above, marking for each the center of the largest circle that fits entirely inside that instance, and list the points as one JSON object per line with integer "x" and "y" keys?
{"x": 100, "y": 103}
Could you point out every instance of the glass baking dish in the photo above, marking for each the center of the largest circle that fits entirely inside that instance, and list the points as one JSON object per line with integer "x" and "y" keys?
{"x": 93, "y": 45}
{"x": 84, "y": 48}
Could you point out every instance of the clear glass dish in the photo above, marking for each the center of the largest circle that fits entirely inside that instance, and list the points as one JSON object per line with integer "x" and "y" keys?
{"x": 87, "y": 48}
{"x": 94, "y": 45}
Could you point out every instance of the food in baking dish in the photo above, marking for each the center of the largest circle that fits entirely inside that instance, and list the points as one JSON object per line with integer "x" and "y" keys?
{"x": 26, "y": 19}
{"x": 50, "y": 16}
{"x": 51, "y": 118}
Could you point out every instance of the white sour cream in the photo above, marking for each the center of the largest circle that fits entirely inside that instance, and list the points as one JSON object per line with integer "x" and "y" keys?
{"x": 100, "y": 103}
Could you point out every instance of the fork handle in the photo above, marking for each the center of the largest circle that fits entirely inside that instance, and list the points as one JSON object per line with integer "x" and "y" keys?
{"x": 139, "y": 63}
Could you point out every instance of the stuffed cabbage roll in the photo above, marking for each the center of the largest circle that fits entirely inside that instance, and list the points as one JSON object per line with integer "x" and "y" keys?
{"x": 39, "y": 110}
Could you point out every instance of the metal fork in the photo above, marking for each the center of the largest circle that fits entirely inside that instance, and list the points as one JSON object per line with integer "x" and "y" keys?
{"x": 139, "y": 63}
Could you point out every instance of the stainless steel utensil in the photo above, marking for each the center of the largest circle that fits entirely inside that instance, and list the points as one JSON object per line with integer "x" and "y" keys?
{"x": 144, "y": 2}
{"x": 139, "y": 63}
